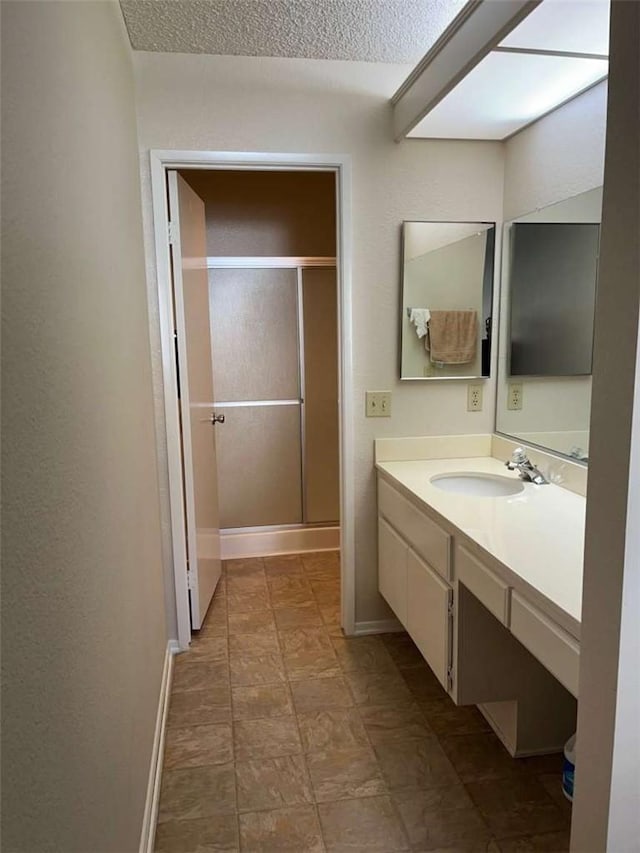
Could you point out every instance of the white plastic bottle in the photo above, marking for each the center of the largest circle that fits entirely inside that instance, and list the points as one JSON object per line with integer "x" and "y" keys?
{"x": 568, "y": 768}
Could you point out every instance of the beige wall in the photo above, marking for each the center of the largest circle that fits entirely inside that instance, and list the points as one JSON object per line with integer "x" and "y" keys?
{"x": 83, "y": 613}
{"x": 268, "y": 213}
{"x": 314, "y": 106}
{"x": 607, "y": 792}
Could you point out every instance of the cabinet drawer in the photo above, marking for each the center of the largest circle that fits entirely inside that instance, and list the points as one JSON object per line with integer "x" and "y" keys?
{"x": 392, "y": 569}
{"x": 428, "y": 539}
{"x": 428, "y": 600}
{"x": 482, "y": 582}
{"x": 553, "y": 647}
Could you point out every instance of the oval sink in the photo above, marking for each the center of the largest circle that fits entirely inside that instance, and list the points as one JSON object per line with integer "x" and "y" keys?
{"x": 478, "y": 485}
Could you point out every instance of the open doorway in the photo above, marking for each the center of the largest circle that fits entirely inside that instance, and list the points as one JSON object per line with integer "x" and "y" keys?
{"x": 274, "y": 320}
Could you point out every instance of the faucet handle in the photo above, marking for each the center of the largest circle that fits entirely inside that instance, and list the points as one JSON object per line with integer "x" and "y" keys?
{"x": 518, "y": 457}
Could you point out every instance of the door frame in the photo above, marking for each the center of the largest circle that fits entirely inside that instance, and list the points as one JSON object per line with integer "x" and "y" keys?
{"x": 340, "y": 164}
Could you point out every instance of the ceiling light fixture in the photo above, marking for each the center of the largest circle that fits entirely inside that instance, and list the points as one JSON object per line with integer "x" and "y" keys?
{"x": 547, "y": 53}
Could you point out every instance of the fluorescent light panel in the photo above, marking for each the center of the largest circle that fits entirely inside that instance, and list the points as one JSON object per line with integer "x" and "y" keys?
{"x": 571, "y": 26}
{"x": 507, "y": 91}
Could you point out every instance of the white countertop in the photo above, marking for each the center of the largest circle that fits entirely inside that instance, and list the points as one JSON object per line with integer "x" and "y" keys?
{"x": 536, "y": 535}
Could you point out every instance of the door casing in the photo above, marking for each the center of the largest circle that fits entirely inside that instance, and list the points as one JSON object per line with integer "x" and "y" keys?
{"x": 340, "y": 165}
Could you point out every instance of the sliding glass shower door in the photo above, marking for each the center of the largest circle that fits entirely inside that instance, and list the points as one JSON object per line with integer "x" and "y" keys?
{"x": 254, "y": 317}
{"x": 268, "y": 474}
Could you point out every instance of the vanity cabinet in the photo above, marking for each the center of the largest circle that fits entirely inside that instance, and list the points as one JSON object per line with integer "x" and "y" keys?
{"x": 392, "y": 569}
{"x": 429, "y": 616}
{"x": 427, "y": 538}
{"x": 552, "y": 646}
{"x": 486, "y": 644}
{"x": 413, "y": 560}
{"x": 417, "y": 577}
{"x": 484, "y": 584}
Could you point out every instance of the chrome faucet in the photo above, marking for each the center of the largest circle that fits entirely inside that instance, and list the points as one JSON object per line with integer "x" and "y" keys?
{"x": 520, "y": 462}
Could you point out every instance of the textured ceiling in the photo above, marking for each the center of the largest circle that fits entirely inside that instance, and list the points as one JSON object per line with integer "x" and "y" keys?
{"x": 368, "y": 30}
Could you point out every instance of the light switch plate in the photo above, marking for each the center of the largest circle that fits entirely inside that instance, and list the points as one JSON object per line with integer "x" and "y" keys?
{"x": 474, "y": 398}
{"x": 514, "y": 396}
{"x": 378, "y": 404}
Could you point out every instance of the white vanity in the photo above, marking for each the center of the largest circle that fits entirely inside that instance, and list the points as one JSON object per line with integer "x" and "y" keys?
{"x": 488, "y": 586}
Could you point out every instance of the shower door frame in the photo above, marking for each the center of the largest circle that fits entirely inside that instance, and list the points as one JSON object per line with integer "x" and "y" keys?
{"x": 340, "y": 165}
{"x": 299, "y": 264}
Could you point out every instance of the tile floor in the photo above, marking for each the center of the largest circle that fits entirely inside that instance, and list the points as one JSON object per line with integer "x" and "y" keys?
{"x": 283, "y": 735}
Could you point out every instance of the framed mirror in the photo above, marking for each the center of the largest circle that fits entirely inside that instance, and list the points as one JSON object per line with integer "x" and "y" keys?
{"x": 446, "y": 299}
{"x": 548, "y": 288}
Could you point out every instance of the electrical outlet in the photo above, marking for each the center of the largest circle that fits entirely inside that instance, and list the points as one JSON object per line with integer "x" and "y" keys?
{"x": 474, "y": 398}
{"x": 378, "y": 404}
{"x": 514, "y": 396}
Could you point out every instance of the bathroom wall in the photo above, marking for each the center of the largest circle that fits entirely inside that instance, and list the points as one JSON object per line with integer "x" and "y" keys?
{"x": 268, "y": 104}
{"x": 83, "y": 627}
{"x": 556, "y": 158}
{"x": 267, "y": 213}
{"x": 607, "y": 793}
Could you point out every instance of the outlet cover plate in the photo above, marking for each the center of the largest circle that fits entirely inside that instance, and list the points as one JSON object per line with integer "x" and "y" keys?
{"x": 514, "y": 396}
{"x": 378, "y": 404}
{"x": 474, "y": 398}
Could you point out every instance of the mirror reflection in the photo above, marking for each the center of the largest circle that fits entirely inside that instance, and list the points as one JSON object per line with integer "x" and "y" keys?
{"x": 447, "y": 292}
{"x": 552, "y": 283}
{"x": 549, "y": 271}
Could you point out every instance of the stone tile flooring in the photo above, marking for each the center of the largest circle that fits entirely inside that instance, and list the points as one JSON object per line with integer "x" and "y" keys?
{"x": 283, "y": 735}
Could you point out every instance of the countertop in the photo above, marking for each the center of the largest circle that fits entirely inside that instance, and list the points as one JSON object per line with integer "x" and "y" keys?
{"x": 537, "y": 535}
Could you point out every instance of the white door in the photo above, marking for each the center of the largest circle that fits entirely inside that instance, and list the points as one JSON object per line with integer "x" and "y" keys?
{"x": 199, "y": 421}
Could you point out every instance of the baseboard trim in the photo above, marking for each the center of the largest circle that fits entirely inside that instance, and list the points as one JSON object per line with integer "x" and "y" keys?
{"x": 381, "y": 626}
{"x": 267, "y": 543}
{"x": 147, "y": 837}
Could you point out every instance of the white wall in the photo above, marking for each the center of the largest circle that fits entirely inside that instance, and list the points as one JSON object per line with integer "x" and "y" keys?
{"x": 266, "y": 104}
{"x": 556, "y": 158}
{"x": 422, "y": 237}
{"x": 607, "y": 792}
{"x": 83, "y": 612}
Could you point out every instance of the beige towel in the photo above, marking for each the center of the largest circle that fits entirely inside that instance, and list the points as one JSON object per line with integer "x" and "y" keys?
{"x": 453, "y": 337}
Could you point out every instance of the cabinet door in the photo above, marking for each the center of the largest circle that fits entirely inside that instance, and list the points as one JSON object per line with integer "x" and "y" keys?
{"x": 428, "y": 599}
{"x": 392, "y": 569}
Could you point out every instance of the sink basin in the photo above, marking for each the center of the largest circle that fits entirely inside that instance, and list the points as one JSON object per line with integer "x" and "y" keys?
{"x": 478, "y": 485}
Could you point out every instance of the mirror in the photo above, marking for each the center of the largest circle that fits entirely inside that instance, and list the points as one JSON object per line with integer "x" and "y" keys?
{"x": 548, "y": 287}
{"x": 447, "y": 294}
{"x": 552, "y": 286}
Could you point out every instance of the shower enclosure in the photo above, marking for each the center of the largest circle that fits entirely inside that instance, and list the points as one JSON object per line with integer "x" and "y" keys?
{"x": 275, "y": 363}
